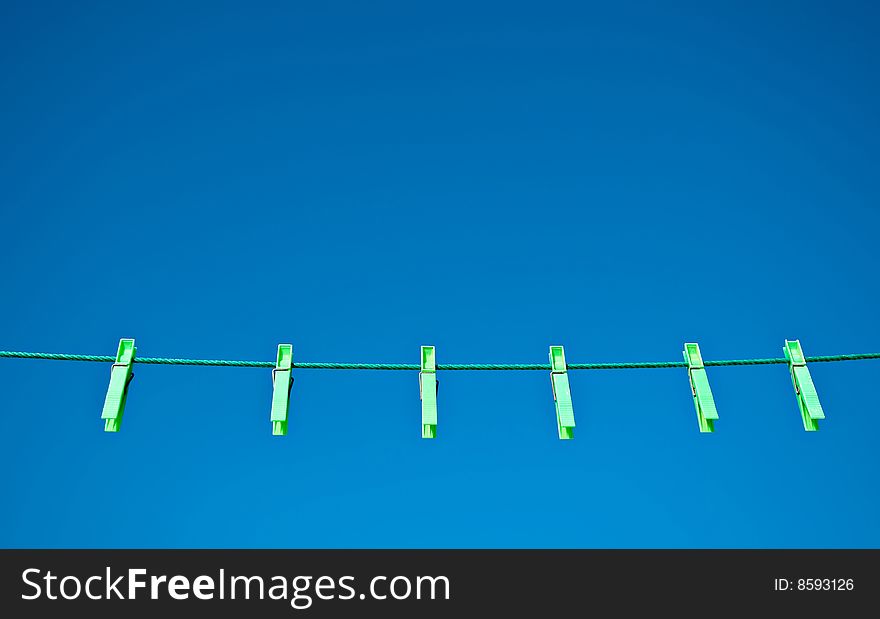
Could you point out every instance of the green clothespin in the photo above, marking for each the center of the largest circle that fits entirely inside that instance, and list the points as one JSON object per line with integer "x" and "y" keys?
{"x": 282, "y": 381}
{"x": 561, "y": 393}
{"x": 808, "y": 399}
{"x": 428, "y": 387}
{"x": 707, "y": 414}
{"x": 120, "y": 377}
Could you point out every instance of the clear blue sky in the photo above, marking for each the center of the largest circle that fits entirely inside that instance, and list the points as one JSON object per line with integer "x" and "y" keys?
{"x": 360, "y": 179}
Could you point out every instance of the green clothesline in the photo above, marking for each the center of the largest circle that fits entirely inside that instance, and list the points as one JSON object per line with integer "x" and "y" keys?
{"x": 415, "y": 366}
{"x": 282, "y": 380}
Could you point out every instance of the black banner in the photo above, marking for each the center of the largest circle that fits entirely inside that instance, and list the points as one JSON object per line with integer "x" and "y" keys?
{"x": 408, "y": 583}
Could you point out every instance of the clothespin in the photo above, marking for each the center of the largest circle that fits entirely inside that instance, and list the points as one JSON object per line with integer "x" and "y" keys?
{"x": 282, "y": 381}
{"x": 120, "y": 377}
{"x": 808, "y": 399}
{"x": 428, "y": 388}
{"x": 561, "y": 393}
{"x": 707, "y": 414}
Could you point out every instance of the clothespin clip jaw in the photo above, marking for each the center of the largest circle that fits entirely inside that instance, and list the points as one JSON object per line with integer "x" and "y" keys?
{"x": 282, "y": 381}
{"x": 704, "y": 402}
{"x": 808, "y": 399}
{"x": 428, "y": 388}
{"x": 561, "y": 393}
{"x": 121, "y": 375}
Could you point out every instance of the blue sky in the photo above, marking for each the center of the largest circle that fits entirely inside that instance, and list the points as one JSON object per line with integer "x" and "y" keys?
{"x": 360, "y": 179}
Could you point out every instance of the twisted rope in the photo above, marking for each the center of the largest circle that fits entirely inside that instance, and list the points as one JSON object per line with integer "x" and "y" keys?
{"x": 415, "y": 366}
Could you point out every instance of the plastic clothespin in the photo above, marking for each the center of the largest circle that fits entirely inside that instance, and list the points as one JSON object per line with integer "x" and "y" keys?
{"x": 428, "y": 388}
{"x": 808, "y": 399}
{"x": 561, "y": 393}
{"x": 120, "y": 377}
{"x": 707, "y": 414}
{"x": 282, "y": 381}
